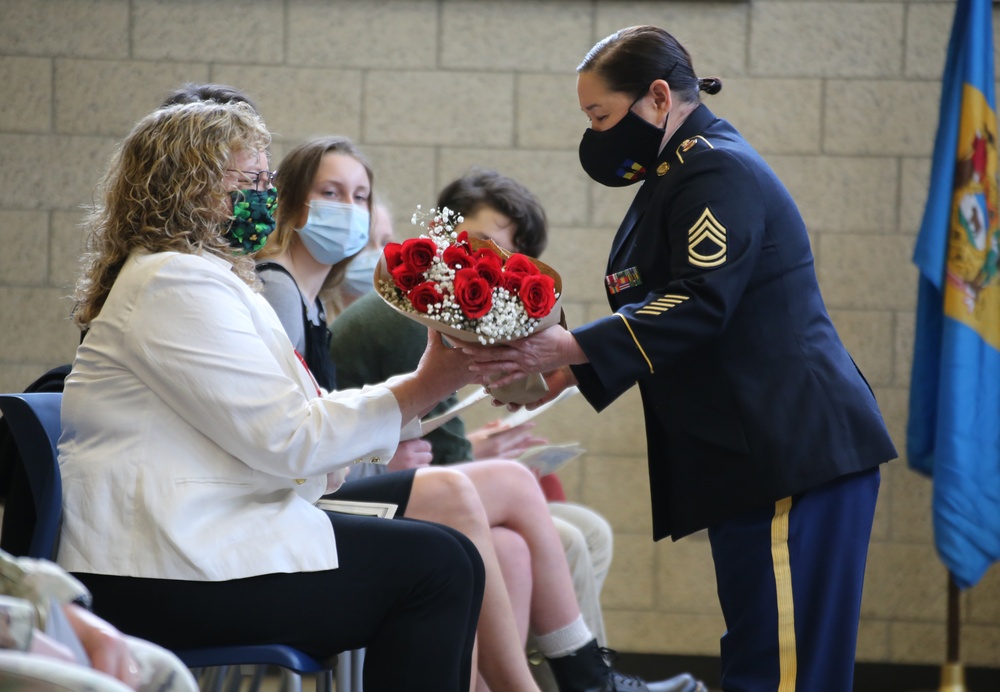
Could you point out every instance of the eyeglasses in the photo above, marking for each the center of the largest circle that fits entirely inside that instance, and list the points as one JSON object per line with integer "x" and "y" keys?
{"x": 256, "y": 178}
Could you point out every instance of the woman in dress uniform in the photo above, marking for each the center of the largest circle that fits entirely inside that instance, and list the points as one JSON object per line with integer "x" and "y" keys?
{"x": 759, "y": 425}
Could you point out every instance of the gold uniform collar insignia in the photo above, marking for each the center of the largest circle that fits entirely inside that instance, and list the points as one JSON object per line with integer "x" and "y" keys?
{"x": 688, "y": 144}
{"x": 707, "y": 241}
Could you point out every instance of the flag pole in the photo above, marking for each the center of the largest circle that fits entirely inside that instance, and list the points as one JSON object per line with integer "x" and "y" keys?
{"x": 953, "y": 672}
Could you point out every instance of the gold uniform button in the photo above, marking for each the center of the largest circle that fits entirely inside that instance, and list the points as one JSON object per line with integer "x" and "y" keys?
{"x": 375, "y": 460}
{"x": 300, "y": 481}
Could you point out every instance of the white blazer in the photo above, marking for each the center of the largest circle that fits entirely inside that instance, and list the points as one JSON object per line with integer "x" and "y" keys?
{"x": 194, "y": 439}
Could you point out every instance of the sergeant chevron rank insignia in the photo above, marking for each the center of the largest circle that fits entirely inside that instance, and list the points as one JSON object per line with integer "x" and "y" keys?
{"x": 707, "y": 241}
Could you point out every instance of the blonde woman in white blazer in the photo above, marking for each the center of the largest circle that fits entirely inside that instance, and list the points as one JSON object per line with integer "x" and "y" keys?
{"x": 195, "y": 441}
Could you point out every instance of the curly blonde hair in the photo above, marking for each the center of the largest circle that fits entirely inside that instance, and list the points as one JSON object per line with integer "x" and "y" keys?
{"x": 165, "y": 191}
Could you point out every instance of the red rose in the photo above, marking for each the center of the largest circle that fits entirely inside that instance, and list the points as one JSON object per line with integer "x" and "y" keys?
{"x": 418, "y": 253}
{"x": 456, "y": 257}
{"x": 520, "y": 263}
{"x": 486, "y": 252}
{"x": 391, "y": 252}
{"x": 512, "y": 281}
{"x": 538, "y": 294}
{"x": 472, "y": 293}
{"x": 488, "y": 267}
{"x": 424, "y": 295}
{"x": 405, "y": 277}
{"x": 463, "y": 240}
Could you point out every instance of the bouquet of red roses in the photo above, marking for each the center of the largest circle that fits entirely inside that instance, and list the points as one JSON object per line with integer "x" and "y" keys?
{"x": 470, "y": 289}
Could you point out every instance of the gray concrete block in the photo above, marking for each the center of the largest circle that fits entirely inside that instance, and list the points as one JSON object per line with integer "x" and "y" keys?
{"x": 867, "y": 334}
{"x": 880, "y": 117}
{"x": 250, "y": 32}
{"x": 796, "y": 39}
{"x": 39, "y": 331}
{"x": 93, "y": 29}
{"x": 52, "y": 172}
{"x": 528, "y": 35}
{"x": 450, "y": 108}
{"x": 27, "y": 103}
{"x": 300, "y": 103}
{"x": 716, "y": 34}
{"x": 777, "y": 116}
{"x": 839, "y": 193}
{"x": 24, "y": 237}
{"x": 548, "y": 112}
{"x": 363, "y": 33}
{"x": 107, "y": 97}
{"x": 867, "y": 271}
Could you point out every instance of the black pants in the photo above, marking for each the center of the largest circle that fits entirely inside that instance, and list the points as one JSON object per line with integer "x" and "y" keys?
{"x": 409, "y": 591}
{"x": 393, "y": 487}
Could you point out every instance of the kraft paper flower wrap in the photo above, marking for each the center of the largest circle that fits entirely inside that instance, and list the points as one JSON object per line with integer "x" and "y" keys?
{"x": 470, "y": 290}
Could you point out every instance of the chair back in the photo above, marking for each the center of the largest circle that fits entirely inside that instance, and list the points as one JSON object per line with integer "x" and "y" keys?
{"x": 34, "y": 424}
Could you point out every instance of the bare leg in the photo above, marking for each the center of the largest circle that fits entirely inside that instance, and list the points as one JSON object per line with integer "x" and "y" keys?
{"x": 512, "y": 499}
{"x": 515, "y": 565}
{"x": 447, "y": 497}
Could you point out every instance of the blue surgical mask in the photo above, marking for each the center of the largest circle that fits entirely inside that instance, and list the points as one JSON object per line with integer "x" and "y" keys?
{"x": 358, "y": 278}
{"x": 334, "y": 231}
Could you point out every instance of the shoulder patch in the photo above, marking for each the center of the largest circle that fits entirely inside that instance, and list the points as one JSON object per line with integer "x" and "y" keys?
{"x": 707, "y": 241}
{"x": 688, "y": 144}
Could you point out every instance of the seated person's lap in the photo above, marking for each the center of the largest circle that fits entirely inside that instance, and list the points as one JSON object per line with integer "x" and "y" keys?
{"x": 382, "y": 563}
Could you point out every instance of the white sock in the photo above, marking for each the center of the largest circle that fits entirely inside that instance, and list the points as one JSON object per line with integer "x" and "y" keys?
{"x": 565, "y": 640}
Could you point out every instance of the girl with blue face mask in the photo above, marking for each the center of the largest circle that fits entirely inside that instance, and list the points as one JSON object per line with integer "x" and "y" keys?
{"x": 324, "y": 220}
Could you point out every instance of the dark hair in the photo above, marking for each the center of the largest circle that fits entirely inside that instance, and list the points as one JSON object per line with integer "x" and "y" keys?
{"x": 631, "y": 59}
{"x": 481, "y": 187}
{"x": 294, "y": 182}
{"x": 191, "y": 92}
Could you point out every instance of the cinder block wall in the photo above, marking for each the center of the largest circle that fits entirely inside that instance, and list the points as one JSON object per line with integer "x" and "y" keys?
{"x": 841, "y": 97}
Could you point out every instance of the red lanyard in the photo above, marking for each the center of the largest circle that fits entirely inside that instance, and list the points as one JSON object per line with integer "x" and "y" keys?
{"x": 319, "y": 392}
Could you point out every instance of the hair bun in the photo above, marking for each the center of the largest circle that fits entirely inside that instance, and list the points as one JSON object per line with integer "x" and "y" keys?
{"x": 710, "y": 85}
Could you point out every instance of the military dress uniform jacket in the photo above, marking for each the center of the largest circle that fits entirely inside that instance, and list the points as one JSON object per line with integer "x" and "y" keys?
{"x": 749, "y": 395}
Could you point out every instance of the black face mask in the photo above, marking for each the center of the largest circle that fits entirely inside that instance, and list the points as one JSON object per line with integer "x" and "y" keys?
{"x": 622, "y": 154}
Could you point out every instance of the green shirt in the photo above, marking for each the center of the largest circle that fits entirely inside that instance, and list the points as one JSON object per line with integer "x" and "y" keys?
{"x": 371, "y": 343}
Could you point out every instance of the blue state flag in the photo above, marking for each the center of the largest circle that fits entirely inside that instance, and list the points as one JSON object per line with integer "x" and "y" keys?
{"x": 953, "y": 433}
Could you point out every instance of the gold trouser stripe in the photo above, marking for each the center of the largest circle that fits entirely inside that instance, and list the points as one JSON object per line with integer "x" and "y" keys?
{"x": 783, "y": 584}
{"x": 629, "y": 328}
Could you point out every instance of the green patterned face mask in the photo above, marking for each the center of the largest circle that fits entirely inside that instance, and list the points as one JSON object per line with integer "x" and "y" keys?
{"x": 253, "y": 218}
